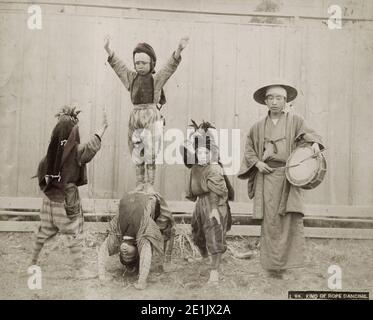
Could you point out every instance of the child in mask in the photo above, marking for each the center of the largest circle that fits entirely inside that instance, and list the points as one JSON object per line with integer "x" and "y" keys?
{"x": 211, "y": 190}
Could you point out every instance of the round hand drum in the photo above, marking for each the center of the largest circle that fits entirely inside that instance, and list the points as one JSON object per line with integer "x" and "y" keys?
{"x": 303, "y": 170}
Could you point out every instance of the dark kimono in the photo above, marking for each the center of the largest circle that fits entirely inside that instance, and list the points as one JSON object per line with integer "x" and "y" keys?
{"x": 138, "y": 219}
{"x": 208, "y": 186}
{"x": 276, "y": 201}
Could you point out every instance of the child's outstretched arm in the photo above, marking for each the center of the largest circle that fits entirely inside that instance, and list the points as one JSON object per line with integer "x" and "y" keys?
{"x": 170, "y": 67}
{"x": 107, "y": 46}
{"x": 182, "y": 45}
{"x": 86, "y": 151}
{"x": 125, "y": 75}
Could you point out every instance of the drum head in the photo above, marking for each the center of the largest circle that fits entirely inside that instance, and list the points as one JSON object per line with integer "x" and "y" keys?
{"x": 302, "y": 174}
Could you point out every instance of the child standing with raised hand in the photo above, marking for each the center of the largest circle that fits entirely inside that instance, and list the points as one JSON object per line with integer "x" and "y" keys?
{"x": 146, "y": 91}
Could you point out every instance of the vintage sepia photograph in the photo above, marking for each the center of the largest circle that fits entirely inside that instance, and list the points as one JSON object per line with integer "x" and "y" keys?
{"x": 186, "y": 150}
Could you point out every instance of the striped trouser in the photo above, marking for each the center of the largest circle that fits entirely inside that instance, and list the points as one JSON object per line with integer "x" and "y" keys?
{"x": 53, "y": 220}
{"x": 145, "y": 130}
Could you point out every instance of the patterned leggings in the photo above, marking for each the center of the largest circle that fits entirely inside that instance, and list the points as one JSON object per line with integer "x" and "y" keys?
{"x": 53, "y": 220}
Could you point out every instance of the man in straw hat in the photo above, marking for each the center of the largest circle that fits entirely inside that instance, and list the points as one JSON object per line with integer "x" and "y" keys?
{"x": 278, "y": 203}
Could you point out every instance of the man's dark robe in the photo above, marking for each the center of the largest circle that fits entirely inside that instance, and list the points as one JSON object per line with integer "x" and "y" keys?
{"x": 276, "y": 201}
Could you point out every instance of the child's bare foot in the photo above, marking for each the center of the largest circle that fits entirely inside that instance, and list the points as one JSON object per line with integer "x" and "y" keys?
{"x": 204, "y": 260}
{"x": 214, "y": 278}
{"x": 140, "y": 285}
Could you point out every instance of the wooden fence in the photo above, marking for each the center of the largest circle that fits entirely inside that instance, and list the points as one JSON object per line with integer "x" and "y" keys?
{"x": 19, "y": 215}
{"x": 228, "y": 56}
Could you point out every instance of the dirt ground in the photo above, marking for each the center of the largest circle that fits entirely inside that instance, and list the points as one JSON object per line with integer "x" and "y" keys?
{"x": 240, "y": 279}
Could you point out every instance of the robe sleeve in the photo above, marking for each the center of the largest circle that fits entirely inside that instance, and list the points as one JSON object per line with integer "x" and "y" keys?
{"x": 86, "y": 151}
{"x": 305, "y": 135}
{"x": 113, "y": 240}
{"x": 161, "y": 76}
{"x": 215, "y": 182}
{"x": 165, "y": 220}
{"x": 125, "y": 75}
{"x": 149, "y": 232}
{"x": 214, "y": 200}
{"x": 189, "y": 194}
{"x": 250, "y": 157}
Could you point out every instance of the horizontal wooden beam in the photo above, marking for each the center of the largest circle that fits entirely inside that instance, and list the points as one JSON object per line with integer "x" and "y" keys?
{"x": 110, "y": 206}
{"x": 20, "y": 203}
{"x": 182, "y": 9}
{"x": 100, "y": 227}
{"x": 322, "y": 233}
{"x": 237, "y": 219}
